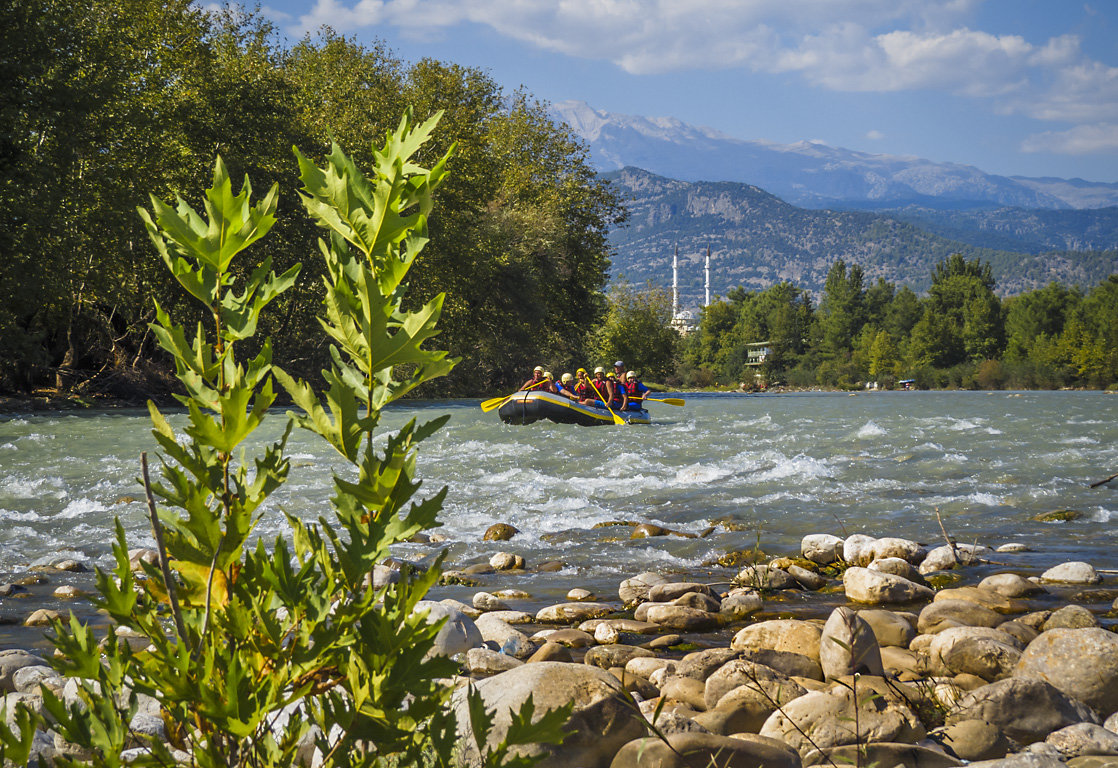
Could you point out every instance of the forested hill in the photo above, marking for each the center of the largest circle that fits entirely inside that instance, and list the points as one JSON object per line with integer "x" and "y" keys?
{"x": 757, "y": 239}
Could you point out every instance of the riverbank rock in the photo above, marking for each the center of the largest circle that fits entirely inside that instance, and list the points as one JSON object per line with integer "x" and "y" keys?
{"x": 1026, "y": 710}
{"x": 865, "y": 586}
{"x": 484, "y": 662}
{"x": 690, "y": 749}
{"x": 458, "y": 635}
{"x": 822, "y": 548}
{"x": 1082, "y": 663}
{"x": 681, "y": 618}
{"x": 898, "y": 567}
{"x": 890, "y": 628}
{"x": 11, "y": 661}
{"x": 946, "y": 614}
{"x": 848, "y": 646}
{"x": 856, "y": 549}
{"x": 984, "y": 597}
{"x": 1011, "y": 585}
{"x": 790, "y": 635}
{"x": 972, "y": 740}
{"x": 945, "y": 558}
{"x": 635, "y": 589}
{"x": 1075, "y": 572}
{"x": 1070, "y": 617}
{"x": 673, "y": 590}
{"x": 766, "y": 577}
{"x": 903, "y": 755}
{"x": 824, "y": 719}
{"x": 507, "y": 561}
{"x": 740, "y": 605}
{"x": 980, "y": 651}
{"x": 601, "y": 722}
{"x": 1083, "y": 739}
{"x": 499, "y": 532}
{"x": 565, "y": 613}
{"x": 904, "y": 549}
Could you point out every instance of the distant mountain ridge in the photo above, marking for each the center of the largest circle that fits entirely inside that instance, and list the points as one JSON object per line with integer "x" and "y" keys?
{"x": 815, "y": 175}
{"x": 757, "y": 239}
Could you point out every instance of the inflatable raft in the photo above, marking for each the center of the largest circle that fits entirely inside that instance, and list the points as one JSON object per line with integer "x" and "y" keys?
{"x": 526, "y": 407}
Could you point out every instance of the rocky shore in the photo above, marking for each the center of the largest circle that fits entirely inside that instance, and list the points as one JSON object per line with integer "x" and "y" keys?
{"x": 932, "y": 657}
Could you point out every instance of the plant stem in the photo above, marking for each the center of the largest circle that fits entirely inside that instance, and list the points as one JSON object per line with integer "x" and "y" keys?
{"x": 157, "y": 530}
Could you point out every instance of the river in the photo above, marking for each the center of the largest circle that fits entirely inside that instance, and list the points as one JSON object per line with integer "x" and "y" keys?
{"x": 764, "y": 470}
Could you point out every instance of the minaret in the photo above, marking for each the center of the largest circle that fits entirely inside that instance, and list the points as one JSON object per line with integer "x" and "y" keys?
{"x": 675, "y": 284}
{"x": 707, "y": 303}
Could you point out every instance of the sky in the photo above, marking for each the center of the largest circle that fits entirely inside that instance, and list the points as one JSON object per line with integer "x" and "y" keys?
{"x": 1013, "y": 87}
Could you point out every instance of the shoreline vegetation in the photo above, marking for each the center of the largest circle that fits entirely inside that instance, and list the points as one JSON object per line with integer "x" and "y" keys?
{"x": 519, "y": 244}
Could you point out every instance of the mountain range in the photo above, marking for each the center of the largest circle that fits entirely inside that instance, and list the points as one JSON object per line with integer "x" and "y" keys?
{"x": 812, "y": 174}
{"x": 757, "y": 239}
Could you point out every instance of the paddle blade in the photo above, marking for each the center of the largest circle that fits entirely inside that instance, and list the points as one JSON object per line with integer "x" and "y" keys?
{"x": 672, "y": 401}
{"x": 488, "y": 405}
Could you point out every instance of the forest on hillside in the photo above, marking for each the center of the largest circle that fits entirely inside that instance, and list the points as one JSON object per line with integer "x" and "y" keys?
{"x": 107, "y": 101}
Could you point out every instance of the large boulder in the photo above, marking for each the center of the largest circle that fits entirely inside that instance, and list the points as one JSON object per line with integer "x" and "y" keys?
{"x": 1025, "y": 709}
{"x": 848, "y": 646}
{"x": 945, "y": 614}
{"x": 742, "y": 672}
{"x": 601, "y": 722}
{"x": 690, "y": 749}
{"x": 979, "y": 651}
{"x": 780, "y": 635}
{"x": 1082, "y": 663}
{"x": 823, "y": 719}
{"x": 865, "y": 586}
{"x": 987, "y": 598}
{"x": 1084, "y": 739}
{"x": 890, "y": 629}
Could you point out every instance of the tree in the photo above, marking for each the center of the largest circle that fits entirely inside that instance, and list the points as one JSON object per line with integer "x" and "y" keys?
{"x": 962, "y": 319}
{"x": 636, "y": 329}
{"x": 842, "y": 310}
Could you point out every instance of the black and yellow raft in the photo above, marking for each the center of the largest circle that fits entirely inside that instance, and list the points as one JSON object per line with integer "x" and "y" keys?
{"x": 530, "y": 406}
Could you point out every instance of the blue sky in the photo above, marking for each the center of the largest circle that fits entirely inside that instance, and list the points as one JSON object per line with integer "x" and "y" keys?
{"x": 1016, "y": 87}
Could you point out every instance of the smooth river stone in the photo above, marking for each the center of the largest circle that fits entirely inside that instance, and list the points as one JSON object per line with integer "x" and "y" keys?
{"x": 1082, "y": 663}
{"x": 1026, "y": 710}
{"x": 791, "y": 635}
{"x": 682, "y": 618}
{"x": 889, "y": 546}
{"x": 635, "y": 589}
{"x": 856, "y": 549}
{"x": 1010, "y": 585}
{"x": 564, "y": 613}
{"x": 666, "y": 593}
{"x": 848, "y": 646}
{"x": 822, "y": 548}
{"x": 741, "y": 605}
{"x": 890, "y": 629}
{"x": 984, "y": 597}
{"x": 865, "y": 586}
{"x": 1075, "y": 572}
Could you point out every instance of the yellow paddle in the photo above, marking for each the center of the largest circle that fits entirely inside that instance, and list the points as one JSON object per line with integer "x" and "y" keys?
{"x": 497, "y": 402}
{"x": 668, "y": 400}
{"x": 616, "y": 419}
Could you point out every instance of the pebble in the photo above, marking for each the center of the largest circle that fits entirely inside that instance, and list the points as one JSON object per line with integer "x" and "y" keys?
{"x": 579, "y": 595}
{"x": 68, "y": 592}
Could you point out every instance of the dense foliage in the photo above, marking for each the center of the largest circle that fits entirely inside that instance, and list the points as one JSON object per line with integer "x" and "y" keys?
{"x": 106, "y": 100}
{"x": 293, "y": 653}
{"x": 960, "y": 335}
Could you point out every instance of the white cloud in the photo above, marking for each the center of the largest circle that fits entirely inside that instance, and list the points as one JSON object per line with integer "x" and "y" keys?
{"x": 844, "y": 45}
{"x": 875, "y": 135}
{"x": 1081, "y": 140}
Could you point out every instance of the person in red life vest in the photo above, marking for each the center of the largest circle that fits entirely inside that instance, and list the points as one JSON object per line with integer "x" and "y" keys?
{"x": 536, "y": 381}
{"x": 601, "y": 391}
{"x": 549, "y": 383}
{"x": 582, "y": 384}
{"x": 619, "y": 371}
{"x": 620, "y": 394}
{"x": 566, "y": 387}
{"x": 637, "y": 391}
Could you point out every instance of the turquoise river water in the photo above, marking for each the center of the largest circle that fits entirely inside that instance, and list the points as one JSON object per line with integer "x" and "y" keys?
{"x": 764, "y": 470}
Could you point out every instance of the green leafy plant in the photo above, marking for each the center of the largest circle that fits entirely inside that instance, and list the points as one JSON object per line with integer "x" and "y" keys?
{"x": 256, "y": 655}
